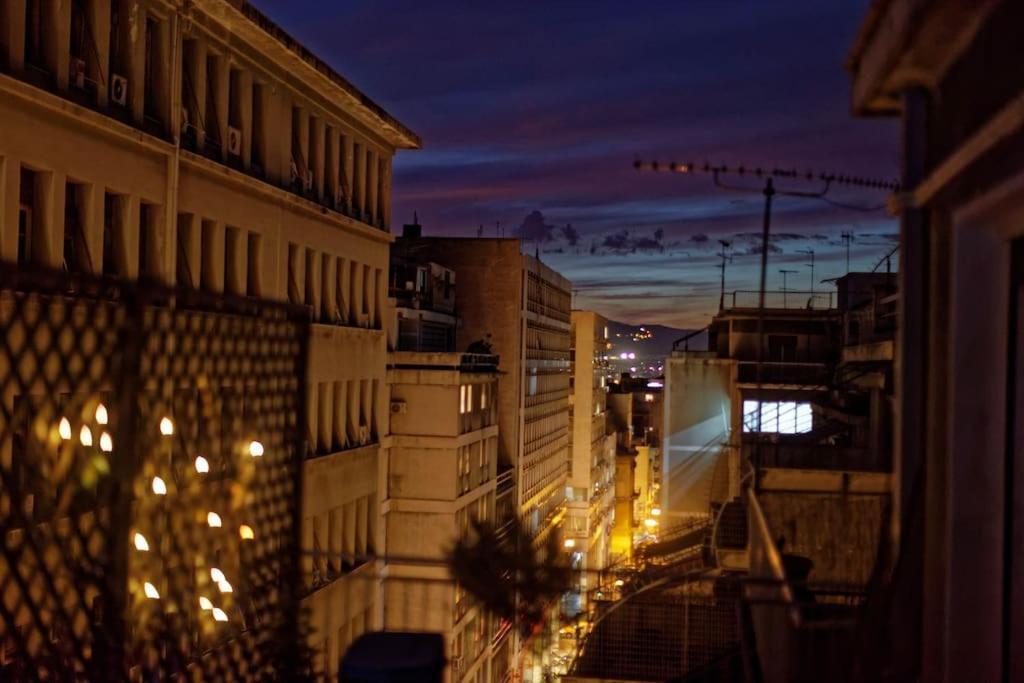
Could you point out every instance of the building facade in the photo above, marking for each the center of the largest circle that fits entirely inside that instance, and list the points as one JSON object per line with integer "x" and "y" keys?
{"x": 590, "y": 490}
{"x": 955, "y": 580}
{"x": 198, "y": 145}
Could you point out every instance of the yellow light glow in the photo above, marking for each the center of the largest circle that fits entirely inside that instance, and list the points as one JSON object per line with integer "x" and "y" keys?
{"x": 141, "y": 544}
{"x": 656, "y": 512}
{"x": 246, "y": 532}
{"x": 159, "y": 487}
{"x": 204, "y": 603}
{"x": 224, "y": 587}
{"x": 85, "y": 436}
{"x": 166, "y": 426}
{"x": 218, "y": 614}
{"x": 202, "y": 466}
{"x": 101, "y": 414}
{"x": 255, "y": 449}
{"x": 213, "y": 519}
{"x": 619, "y": 583}
{"x": 64, "y": 428}
{"x": 216, "y": 575}
{"x": 569, "y": 543}
{"x": 150, "y": 591}
{"x": 650, "y": 523}
{"x": 106, "y": 443}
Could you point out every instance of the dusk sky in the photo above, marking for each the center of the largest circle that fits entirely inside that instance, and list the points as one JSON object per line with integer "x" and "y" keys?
{"x": 543, "y": 107}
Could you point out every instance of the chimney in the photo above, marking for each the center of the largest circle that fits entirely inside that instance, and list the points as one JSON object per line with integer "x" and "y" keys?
{"x": 413, "y": 229}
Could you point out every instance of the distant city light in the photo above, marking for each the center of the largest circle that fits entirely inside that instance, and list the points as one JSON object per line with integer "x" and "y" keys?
{"x": 656, "y": 511}
{"x": 246, "y": 532}
{"x": 654, "y": 385}
{"x": 213, "y": 519}
{"x": 140, "y": 542}
{"x": 569, "y": 543}
{"x": 255, "y": 449}
{"x": 619, "y": 583}
{"x": 150, "y": 591}
{"x": 159, "y": 487}
{"x": 650, "y": 522}
{"x": 166, "y": 426}
{"x": 624, "y": 355}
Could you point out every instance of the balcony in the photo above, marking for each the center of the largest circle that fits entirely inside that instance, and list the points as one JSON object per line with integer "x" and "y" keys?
{"x": 785, "y": 373}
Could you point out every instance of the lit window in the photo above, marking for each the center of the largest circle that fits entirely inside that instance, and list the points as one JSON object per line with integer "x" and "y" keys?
{"x": 777, "y": 417}
{"x": 649, "y": 398}
{"x": 462, "y": 399}
{"x": 483, "y": 397}
{"x": 469, "y": 398}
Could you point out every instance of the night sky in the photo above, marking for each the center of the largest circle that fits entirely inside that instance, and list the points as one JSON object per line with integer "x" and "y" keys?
{"x": 531, "y": 115}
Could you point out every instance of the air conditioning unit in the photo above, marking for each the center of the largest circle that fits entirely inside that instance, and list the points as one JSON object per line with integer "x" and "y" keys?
{"x": 364, "y": 435}
{"x": 399, "y": 407}
{"x": 234, "y": 141}
{"x": 119, "y": 90}
{"x": 76, "y": 73}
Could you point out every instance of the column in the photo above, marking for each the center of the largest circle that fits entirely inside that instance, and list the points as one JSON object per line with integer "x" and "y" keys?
{"x": 92, "y": 217}
{"x": 331, "y": 166}
{"x": 221, "y": 82}
{"x": 371, "y": 214}
{"x": 359, "y": 180}
{"x": 135, "y": 17}
{"x": 187, "y": 259}
{"x": 340, "y": 436}
{"x": 325, "y": 409}
{"x": 48, "y": 237}
{"x": 10, "y": 185}
{"x": 328, "y": 290}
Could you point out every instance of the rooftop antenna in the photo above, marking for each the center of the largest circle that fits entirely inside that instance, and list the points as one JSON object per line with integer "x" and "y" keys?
{"x": 726, "y": 258}
{"x": 847, "y": 237}
{"x": 785, "y": 272}
{"x": 809, "y": 252}
{"x": 826, "y": 179}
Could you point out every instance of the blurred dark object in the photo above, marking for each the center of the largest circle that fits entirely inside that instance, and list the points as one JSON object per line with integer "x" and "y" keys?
{"x": 394, "y": 657}
{"x": 514, "y": 578}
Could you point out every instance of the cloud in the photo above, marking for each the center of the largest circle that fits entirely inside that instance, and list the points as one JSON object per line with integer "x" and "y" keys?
{"x": 621, "y": 242}
{"x": 534, "y": 229}
{"x": 571, "y": 235}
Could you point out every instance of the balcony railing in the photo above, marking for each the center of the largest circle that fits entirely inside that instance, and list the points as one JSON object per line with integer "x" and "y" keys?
{"x": 785, "y": 299}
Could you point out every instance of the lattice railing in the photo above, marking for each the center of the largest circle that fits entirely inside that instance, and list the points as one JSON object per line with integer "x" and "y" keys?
{"x": 150, "y": 482}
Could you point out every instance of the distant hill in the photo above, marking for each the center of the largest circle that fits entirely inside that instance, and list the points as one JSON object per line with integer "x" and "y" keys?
{"x": 650, "y": 341}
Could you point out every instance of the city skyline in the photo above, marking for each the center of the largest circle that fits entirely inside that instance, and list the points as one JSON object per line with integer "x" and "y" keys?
{"x": 539, "y": 129}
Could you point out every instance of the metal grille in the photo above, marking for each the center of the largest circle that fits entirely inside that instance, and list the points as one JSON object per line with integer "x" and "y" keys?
{"x": 662, "y": 633}
{"x": 151, "y": 478}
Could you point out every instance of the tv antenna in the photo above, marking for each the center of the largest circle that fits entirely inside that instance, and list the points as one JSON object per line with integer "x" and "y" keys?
{"x": 847, "y": 237}
{"x": 785, "y": 272}
{"x": 810, "y": 253}
{"x": 726, "y": 258}
{"x": 826, "y": 179}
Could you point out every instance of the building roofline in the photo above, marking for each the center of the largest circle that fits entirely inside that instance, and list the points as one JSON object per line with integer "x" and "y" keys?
{"x": 399, "y": 134}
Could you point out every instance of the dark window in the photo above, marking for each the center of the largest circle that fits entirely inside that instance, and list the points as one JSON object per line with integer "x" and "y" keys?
{"x": 76, "y": 249}
{"x": 151, "y": 82}
{"x": 252, "y": 284}
{"x": 256, "y": 157}
{"x": 26, "y": 216}
{"x": 183, "y": 269}
{"x": 782, "y": 347}
{"x": 211, "y": 119}
{"x": 231, "y": 264}
{"x": 35, "y": 32}
{"x": 113, "y": 256}
{"x": 148, "y": 259}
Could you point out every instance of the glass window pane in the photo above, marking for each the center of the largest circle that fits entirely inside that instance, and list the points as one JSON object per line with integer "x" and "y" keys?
{"x": 770, "y": 416}
{"x": 750, "y": 416}
{"x": 787, "y": 417}
{"x": 804, "y": 418}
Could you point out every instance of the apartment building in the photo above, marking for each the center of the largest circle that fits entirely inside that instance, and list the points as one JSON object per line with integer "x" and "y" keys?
{"x": 521, "y": 308}
{"x": 442, "y": 468}
{"x": 590, "y": 489}
{"x": 199, "y": 145}
{"x": 954, "y": 580}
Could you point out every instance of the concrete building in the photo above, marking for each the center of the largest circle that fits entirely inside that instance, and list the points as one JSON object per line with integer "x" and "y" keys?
{"x": 441, "y": 478}
{"x": 520, "y": 307}
{"x": 954, "y": 583}
{"x": 198, "y": 145}
{"x": 620, "y": 429}
{"x": 590, "y": 490}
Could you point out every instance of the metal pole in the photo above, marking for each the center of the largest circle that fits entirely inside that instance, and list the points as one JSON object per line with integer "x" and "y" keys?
{"x": 769, "y": 192}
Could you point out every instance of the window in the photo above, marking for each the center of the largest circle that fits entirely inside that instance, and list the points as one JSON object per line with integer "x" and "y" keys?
{"x": 183, "y": 268}
{"x": 26, "y": 217}
{"x": 76, "y": 249}
{"x": 293, "y": 280}
{"x": 256, "y": 159}
{"x": 148, "y": 258}
{"x": 253, "y": 258}
{"x": 207, "y": 276}
{"x": 462, "y": 399}
{"x": 469, "y": 398}
{"x": 35, "y": 33}
{"x": 310, "y": 278}
{"x": 152, "y": 83}
{"x": 211, "y": 119}
{"x": 777, "y": 417}
{"x": 113, "y": 235}
{"x": 232, "y": 268}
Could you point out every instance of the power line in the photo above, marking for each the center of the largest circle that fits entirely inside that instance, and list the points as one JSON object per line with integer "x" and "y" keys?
{"x": 775, "y": 172}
